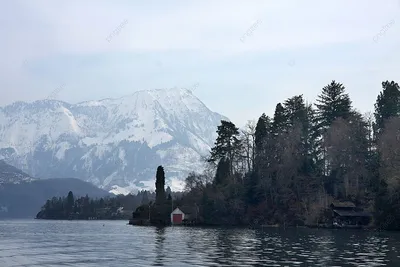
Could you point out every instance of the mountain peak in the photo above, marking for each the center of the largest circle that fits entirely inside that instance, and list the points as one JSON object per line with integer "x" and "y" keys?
{"x": 155, "y": 93}
{"x": 111, "y": 142}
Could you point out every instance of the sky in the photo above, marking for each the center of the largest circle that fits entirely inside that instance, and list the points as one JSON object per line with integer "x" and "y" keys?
{"x": 240, "y": 57}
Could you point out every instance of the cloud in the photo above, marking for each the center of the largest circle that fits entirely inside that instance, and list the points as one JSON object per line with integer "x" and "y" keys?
{"x": 176, "y": 43}
{"x": 76, "y": 27}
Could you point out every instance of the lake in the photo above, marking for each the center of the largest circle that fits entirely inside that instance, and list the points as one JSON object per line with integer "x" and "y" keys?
{"x": 114, "y": 243}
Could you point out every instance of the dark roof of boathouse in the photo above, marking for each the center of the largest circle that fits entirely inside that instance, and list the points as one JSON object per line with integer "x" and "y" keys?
{"x": 188, "y": 209}
{"x": 342, "y": 204}
{"x": 345, "y": 213}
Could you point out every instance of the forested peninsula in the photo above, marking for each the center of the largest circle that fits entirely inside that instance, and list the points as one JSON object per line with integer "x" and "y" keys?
{"x": 85, "y": 208}
{"x": 288, "y": 168}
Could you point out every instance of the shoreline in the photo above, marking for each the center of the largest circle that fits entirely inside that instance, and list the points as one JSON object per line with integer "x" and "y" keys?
{"x": 224, "y": 226}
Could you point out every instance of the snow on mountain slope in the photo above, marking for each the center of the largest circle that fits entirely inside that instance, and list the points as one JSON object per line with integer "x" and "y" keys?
{"x": 10, "y": 174}
{"x": 114, "y": 143}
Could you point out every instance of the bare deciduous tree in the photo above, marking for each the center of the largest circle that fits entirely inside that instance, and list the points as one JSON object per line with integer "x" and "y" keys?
{"x": 389, "y": 149}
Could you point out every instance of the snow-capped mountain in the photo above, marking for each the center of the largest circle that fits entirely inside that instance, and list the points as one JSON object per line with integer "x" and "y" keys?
{"x": 116, "y": 144}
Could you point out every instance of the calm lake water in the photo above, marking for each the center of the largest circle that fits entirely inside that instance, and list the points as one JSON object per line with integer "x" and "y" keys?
{"x": 114, "y": 243}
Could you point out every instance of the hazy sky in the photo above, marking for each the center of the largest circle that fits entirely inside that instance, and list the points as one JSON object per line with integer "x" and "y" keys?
{"x": 245, "y": 56}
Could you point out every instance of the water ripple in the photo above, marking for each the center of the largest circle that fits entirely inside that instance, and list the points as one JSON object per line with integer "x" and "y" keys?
{"x": 113, "y": 243}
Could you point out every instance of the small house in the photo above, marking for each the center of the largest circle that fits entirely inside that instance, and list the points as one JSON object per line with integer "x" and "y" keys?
{"x": 347, "y": 214}
{"x": 177, "y": 216}
{"x": 184, "y": 215}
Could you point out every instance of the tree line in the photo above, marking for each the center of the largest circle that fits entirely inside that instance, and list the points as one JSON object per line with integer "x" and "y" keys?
{"x": 287, "y": 168}
{"x": 84, "y": 208}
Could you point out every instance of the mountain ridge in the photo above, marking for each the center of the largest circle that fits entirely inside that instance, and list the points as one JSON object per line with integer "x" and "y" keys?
{"x": 11, "y": 174}
{"x": 113, "y": 142}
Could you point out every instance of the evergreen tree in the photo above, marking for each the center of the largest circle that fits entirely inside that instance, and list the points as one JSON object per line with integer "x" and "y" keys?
{"x": 280, "y": 121}
{"x": 295, "y": 111}
{"x": 301, "y": 115}
{"x": 168, "y": 191}
{"x": 223, "y": 172}
{"x": 160, "y": 185}
{"x": 261, "y": 137}
{"x": 227, "y": 145}
{"x": 257, "y": 180}
{"x": 387, "y": 104}
{"x": 262, "y": 128}
{"x": 145, "y": 198}
{"x": 332, "y": 103}
{"x": 254, "y": 192}
{"x": 70, "y": 202}
{"x": 311, "y": 143}
{"x": 86, "y": 205}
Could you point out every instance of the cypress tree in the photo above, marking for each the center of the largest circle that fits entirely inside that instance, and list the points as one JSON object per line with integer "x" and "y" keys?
{"x": 160, "y": 183}
{"x": 70, "y": 202}
{"x": 168, "y": 191}
{"x": 261, "y": 135}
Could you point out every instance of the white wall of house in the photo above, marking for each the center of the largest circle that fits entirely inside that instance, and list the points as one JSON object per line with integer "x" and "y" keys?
{"x": 177, "y": 211}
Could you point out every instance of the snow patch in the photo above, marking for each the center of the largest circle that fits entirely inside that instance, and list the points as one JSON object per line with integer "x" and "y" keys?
{"x": 118, "y": 190}
{"x": 60, "y": 154}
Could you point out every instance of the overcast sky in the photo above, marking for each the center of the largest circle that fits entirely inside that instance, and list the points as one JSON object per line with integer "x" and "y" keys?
{"x": 245, "y": 56}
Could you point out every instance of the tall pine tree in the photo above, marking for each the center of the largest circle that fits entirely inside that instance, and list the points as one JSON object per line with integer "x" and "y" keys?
{"x": 227, "y": 145}
{"x": 332, "y": 103}
{"x": 295, "y": 111}
{"x": 387, "y": 104}
{"x": 280, "y": 121}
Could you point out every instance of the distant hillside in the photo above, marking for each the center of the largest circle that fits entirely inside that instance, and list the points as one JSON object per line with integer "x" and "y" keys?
{"x": 24, "y": 199}
{"x": 10, "y": 174}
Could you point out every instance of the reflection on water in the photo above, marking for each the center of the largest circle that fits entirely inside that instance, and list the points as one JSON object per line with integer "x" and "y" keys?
{"x": 159, "y": 248}
{"x": 113, "y": 243}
